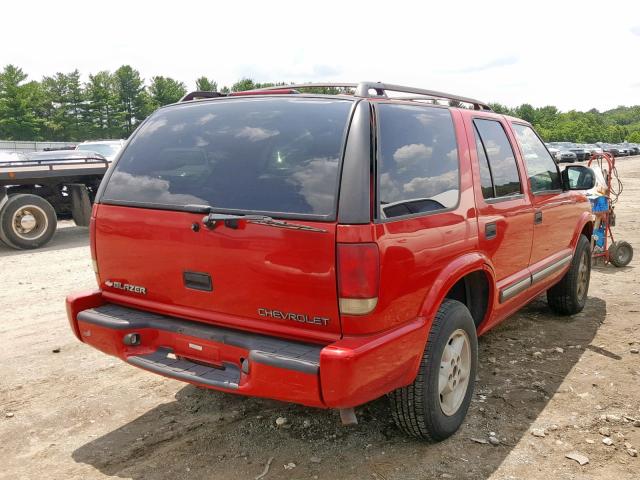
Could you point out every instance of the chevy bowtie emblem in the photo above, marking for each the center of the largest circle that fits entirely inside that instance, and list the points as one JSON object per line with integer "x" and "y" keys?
{"x": 126, "y": 287}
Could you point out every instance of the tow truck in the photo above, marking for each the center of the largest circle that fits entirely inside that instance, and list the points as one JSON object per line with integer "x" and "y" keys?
{"x": 39, "y": 188}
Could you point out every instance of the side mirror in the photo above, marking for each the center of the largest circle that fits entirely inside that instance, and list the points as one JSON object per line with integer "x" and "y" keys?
{"x": 578, "y": 177}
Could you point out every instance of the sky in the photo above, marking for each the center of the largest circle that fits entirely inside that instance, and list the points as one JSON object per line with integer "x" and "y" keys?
{"x": 571, "y": 54}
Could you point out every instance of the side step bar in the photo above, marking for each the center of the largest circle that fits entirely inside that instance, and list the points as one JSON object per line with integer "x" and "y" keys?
{"x": 163, "y": 362}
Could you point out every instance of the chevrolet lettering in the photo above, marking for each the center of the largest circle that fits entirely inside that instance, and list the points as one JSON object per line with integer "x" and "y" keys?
{"x": 296, "y": 317}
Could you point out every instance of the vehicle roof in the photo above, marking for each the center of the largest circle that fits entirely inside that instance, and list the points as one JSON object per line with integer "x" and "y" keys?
{"x": 11, "y": 156}
{"x": 360, "y": 90}
{"x": 92, "y": 142}
{"x": 399, "y": 100}
{"x": 63, "y": 155}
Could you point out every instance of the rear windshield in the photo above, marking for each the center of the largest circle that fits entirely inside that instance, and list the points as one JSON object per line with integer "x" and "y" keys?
{"x": 274, "y": 155}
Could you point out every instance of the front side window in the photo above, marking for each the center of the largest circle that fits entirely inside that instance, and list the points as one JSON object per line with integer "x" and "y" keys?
{"x": 418, "y": 168}
{"x": 272, "y": 155}
{"x": 502, "y": 161}
{"x": 542, "y": 170}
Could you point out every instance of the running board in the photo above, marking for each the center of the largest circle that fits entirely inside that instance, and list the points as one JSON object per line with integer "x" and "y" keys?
{"x": 163, "y": 361}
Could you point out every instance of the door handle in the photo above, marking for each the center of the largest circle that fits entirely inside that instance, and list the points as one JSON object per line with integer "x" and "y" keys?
{"x": 490, "y": 231}
{"x": 537, "y": 217}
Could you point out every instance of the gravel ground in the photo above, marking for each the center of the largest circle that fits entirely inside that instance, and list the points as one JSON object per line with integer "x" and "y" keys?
{"x": 68, "y": 411}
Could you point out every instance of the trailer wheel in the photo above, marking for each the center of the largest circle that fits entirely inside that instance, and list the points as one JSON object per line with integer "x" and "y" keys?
{"x": 620, "y": 253}
{"x": 27, "y": 221}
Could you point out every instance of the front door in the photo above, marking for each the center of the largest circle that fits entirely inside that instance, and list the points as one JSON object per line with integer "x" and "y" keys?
{"x": 554, "y": 215}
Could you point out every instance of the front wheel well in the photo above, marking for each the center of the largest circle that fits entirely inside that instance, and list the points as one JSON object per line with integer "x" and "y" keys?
{"x": 473, "y": 290}
{"x": 587, "y": 230}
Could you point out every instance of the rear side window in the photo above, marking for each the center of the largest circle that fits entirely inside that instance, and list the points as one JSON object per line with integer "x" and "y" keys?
{"x": 417, "y": 160}
{"x": 502, "y": 165}
{"x": 542, "y": 169}
{"x": 272, "y": 155}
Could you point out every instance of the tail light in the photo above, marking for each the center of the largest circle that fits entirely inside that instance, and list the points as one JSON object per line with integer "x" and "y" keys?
{"x": 92, "y": 241}
{"x": 358, "y": 277}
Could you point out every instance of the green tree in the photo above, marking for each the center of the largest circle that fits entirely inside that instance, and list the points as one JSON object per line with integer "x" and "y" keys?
{"x": 76, "y": 106}
{"x": 203, "y": 84}
{"x": 499, "y": 108}
{"x": 243, "y": 84}
{"x": 102, "y": 111}
{"x": 133, "y": 101}
{"x": 67, "y": 105}
{"x": 526, "y": 112}
{"x": 17, "y": 120}
{"x": 165, "y": 90}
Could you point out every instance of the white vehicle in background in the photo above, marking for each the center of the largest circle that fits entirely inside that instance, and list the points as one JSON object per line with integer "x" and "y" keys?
{"x": 107, "y": 148}
{"x": 592, "y": 148}
{"x": 555, "y": 153}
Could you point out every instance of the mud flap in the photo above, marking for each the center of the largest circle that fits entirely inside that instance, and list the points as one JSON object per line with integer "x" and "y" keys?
{"x": 80, "y": 204}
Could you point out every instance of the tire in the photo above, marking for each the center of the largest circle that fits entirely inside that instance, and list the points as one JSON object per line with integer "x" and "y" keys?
{"x": 620, "y": 253}
{"x": 37, "y": 226}
{"x": 418, "y": 409}
{"x": 569, "y": 295}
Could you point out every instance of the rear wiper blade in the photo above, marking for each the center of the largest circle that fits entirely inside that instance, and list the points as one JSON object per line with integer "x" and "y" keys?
{"x": 233, "y": 221}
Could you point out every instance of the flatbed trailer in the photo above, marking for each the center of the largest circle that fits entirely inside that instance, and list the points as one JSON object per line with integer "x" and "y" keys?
{"x": 36, "y": 191}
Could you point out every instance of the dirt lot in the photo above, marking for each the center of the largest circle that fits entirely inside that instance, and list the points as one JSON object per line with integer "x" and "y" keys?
{"x": 68, "y": 411}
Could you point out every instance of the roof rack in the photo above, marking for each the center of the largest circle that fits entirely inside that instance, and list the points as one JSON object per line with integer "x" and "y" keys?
{"x": 200, "y": 94}
{"x": 275, "y": 91}
{"x": 364, "y": 90}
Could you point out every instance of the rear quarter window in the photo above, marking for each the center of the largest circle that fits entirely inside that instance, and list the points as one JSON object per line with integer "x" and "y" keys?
{"x": 418, "y": 168}
{"x": 272, "y": 155}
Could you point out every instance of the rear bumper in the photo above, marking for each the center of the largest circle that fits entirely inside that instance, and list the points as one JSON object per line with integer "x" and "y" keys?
{"x": 346, "y": 373}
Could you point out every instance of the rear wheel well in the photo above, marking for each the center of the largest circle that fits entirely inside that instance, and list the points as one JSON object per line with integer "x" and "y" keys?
{"x": 473, "y": 291}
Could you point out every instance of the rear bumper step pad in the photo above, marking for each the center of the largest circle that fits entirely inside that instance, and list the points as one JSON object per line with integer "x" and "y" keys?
{"x": 275, "y": 352}
{"x": 161, "y": 362}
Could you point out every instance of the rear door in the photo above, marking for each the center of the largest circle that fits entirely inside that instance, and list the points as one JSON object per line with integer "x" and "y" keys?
{"x": 505, "y": 213}
{"x": 555, "y": 210}
{"x": 262, "y": 156}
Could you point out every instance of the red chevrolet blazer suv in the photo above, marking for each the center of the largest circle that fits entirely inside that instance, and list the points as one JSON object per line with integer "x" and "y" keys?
{"x": 329, "y": 249}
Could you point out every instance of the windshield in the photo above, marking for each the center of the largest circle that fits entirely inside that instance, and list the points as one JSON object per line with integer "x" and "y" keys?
{"x": 104, "y": 149}
{"x": 249, "y": 155}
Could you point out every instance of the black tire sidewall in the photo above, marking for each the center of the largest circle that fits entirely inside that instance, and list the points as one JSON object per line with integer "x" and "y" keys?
{"x": 614, "y": 252}
{"x": 583, "y": 248}
{"x": 443, "y": 426}
{"x": 14, "y": 203}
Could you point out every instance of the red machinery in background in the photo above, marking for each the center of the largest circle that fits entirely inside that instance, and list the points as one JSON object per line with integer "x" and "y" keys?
{"x": 619, "y": 253}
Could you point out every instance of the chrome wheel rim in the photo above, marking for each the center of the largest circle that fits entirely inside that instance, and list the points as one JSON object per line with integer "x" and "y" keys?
{"x": 29, "y": 222}
{"x": 583, "y": 275}
{"x": 455, "y": 368}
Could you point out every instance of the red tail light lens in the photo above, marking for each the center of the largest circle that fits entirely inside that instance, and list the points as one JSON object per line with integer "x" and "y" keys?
{"x": 92, "y": 241}
{"x": 358, "y": 277}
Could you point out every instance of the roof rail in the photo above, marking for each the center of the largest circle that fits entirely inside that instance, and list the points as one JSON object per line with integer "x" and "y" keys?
{"x": 200, "y": 94}
{"x": 275, "y": 91}
{"x": 364, "y": 90}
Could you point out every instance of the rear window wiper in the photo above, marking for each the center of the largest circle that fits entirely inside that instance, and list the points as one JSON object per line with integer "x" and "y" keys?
{"x": 234, "y": 221}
